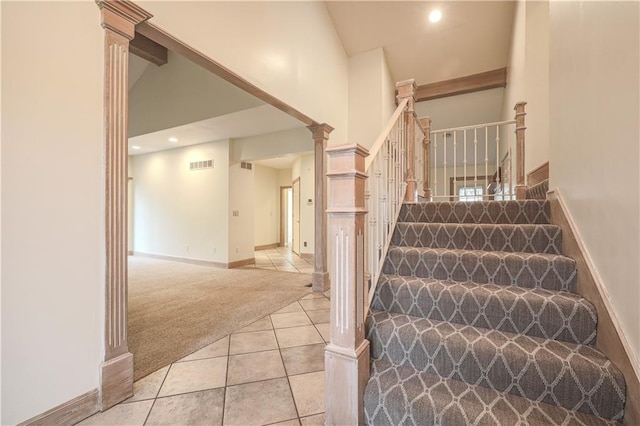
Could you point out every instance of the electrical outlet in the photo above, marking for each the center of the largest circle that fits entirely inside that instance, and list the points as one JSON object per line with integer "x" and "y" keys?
{"x": 236, "y": 213}
{"x": 214, "y": 250}
{"x": 186, "y": 247}
{"x": 237, "y": 250}
{"x": 305, "y": 243}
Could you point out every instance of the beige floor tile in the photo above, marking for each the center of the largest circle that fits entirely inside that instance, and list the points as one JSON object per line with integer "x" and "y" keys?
{"x": 254, "y": 341}
{"x": 293, "y": 422}
{"x": 308, "y": 392}
{"x": 293, "y": 307}
{"x": 298, "y": 336}
{"x": 134, "y": 413}
{"x": 317, "y": 420}
{"x": 259, "y": 403}
{"x": 192, "y": 376}
{"x": 196, "y": 408}
{"x": 254, "y": 366}
{"x": 328, "y": 293}
{"x": 307, "y": 270}
{"x": 314, "y": 295}
{"x": 216, "y": 349}
{"x": 287, "y": 268}
{"x": 303, "y": 359}
{"x": 324, "y": 331}
{"x": 290, "y": 319}
{"x": 314, "y": 304}
{"x": 260, "y": 325}
{"x": 321, "y": 316}
{"x": 148, "y": 387}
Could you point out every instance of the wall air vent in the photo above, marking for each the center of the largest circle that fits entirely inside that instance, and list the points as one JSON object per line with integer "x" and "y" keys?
{"x": 199, "y": 165}
{"x": 246, "y": 165}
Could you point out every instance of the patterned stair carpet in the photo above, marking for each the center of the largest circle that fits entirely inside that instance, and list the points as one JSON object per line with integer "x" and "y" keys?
{"x": 475, "y": 321}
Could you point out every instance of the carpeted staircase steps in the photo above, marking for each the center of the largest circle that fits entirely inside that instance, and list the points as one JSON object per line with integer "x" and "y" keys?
{"x": 478, "y": 324}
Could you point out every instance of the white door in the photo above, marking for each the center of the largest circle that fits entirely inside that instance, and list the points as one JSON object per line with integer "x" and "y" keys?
{"x": 296, "y": 216}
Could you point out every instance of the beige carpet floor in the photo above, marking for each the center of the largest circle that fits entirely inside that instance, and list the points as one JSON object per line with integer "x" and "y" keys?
{"x": 177, "y": 308}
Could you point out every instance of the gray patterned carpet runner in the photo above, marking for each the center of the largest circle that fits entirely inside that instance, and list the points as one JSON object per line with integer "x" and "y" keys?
{"x": 475, "y": 322}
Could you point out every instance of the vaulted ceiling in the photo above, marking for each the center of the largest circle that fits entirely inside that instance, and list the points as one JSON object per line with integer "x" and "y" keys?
{"x": 471, "y": 37}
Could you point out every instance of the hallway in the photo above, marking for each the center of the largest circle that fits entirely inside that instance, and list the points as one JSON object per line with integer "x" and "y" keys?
{"x": 281, "y": 259}
{"x": 270, "y": 372}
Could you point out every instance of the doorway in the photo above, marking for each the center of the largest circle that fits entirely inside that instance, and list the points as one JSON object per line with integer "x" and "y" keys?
{"x": 295, "y": 217}
{"x": 286, "y": 216}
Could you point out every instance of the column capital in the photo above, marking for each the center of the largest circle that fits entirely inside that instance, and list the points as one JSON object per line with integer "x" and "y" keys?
{"x": 320, "y": 132}
{"x": 406, "y": 89}
{"x": 122, "y": 16}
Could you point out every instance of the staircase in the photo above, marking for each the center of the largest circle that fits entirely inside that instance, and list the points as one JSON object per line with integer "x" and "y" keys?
{"x": 475, "y": 321}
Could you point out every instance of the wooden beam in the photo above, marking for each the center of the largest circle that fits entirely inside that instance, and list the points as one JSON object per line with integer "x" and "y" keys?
{"x": 148, "y": 49}
{"x": 461, "y": 85}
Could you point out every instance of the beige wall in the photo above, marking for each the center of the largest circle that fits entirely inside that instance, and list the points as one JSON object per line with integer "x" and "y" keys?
{"x": 303, "y": 168}
{"x": 297, "y": 55}
{"x": 371, "y": 96}
{"x": 528, "y": 77}
{"x": 179, "y": 212}
{"x": 594, "y": 127}
{"x": 241, "y": 200}
{"x": 52, "y": 204}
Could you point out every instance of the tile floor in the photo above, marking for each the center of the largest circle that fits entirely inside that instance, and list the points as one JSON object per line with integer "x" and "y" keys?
{"x": 268, "y": 373}
{"x": 281, "y": 259}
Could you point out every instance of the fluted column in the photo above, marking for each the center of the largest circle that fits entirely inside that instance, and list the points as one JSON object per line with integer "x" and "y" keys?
{"x": 320, "y": 274}
{"x": 521, "y": 187}
{"x": 407, "y": 89}
{"x": 119, "y": 19}
{"x": 347, "y": 354}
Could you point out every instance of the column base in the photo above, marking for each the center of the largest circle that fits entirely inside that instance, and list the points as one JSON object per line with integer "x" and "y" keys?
{"x": 346, "y": 375}
{"x": 116, "y": 380}
{"x": 521, "y": 192}
{"x": 320, "y": 281}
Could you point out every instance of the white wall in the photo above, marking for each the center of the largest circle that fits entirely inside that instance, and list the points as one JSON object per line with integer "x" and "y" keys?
{"x": 181, "y": 92}
{"x": 528, "y": 77}
{"x": 130, "y": 198}
{"x": 271, "y": 145}
{"x": 303, "y": 168}
{"x": 241, "y": 200}
{"x": 371, "y": 96}
{"x": 52, "y": 204}
{"x": 267, "y": 205}
{"x": 297, "y": 55}
{"x": 594, "y": 129}
{"x": 179, "y": 212}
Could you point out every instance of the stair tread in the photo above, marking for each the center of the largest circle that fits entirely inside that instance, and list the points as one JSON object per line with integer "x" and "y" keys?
{"x": 525, "y": 211}
{"x": 551, "y": 271}
{"x": 535, "y": 312}
{"x": 571, "y": 375}
{"x": 487, "y": 237}
{"x": 402, "y": 395}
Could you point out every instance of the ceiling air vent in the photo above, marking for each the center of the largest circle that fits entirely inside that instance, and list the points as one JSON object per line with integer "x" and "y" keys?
{"x": 199, "y": 165}
{"x": 246, "y": 165}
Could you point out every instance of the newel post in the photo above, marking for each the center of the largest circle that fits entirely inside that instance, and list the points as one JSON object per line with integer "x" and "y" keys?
{"x": 407, "y": 89}
{"x": 521, "y": 187}
{"x": 426, "y": 145}
{"x": 320, "y": 275}
{"x": 347, "y": 354}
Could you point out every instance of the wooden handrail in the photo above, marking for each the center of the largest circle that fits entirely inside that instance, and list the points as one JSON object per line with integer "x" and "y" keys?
{"x": 385, "y": 133}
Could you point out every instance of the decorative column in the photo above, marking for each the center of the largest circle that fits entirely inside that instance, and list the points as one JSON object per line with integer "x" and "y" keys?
{"x": 320, "y": 275}
{"x": 426, "y": 144}
{"x": 407, "y": 89}
{"x": 347, "y": 354}
{"x": 119, "y": 19}
{"x": 521, "y": 187}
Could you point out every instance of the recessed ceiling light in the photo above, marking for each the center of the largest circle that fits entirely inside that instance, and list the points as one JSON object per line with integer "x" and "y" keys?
{"x": 172, "y": 139}
{"x": 135, "y": 147}
{"x": 435, "y": 16}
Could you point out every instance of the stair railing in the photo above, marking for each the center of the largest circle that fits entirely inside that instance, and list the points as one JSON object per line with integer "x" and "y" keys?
{"x": 366, "y": 194}
{"x": 477, "y": 162}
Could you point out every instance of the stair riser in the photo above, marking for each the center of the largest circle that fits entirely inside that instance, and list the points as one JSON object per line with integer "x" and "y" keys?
{"x": 508, "y": 309}
{"x": 399, "y": 395}
{"x": 551, "y": 273}
{"x": 516, "y": 212}
{"x": 510, "y": 238}
{"x": 505, "y": 363}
